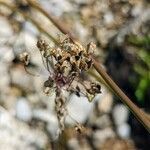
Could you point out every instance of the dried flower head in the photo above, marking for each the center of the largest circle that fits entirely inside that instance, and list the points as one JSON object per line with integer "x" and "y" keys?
{"x": 25, "y": 58}
{"x": 65, "y": 63}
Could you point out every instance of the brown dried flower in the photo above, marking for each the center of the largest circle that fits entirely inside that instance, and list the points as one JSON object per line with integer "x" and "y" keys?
{"x": 25, "y": 58}
{"x": 65, "y": 62}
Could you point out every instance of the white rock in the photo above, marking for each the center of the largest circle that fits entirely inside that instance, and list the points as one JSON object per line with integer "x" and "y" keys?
{"x": 17, "y": 135}
{"x": 53, "y": 130}
{"x": 103, "y": 121}
{"x": 6, "y": 30}
{"x": 23, "y": 110}
{"x": 124, "y": 130}
{"x": 120, "y": 114}
{"x": 81, "y": 31}
{"x": 137, "y": 10}
{"x": 4, "y": 77}
{"x": 82, "y": 1}
{"x": 50, "y": 118}
{"x": 101, "y": 135}
{"x": 21, "y": 78}
{"x": 6, "y": 54}
{"x": 108, "y": 17}
{"x": 79, "y": 108}
{"x": 73, "y": 144}
{"x": 105, "y": 105}
{"x": 44, "y": 115}
{"x": 30, "y": 29}
{"x": 57, "y": 7}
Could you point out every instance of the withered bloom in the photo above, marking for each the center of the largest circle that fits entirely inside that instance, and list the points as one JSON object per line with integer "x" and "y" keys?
{"x": 25, "y": 58}
{"x": 65, "y": 62}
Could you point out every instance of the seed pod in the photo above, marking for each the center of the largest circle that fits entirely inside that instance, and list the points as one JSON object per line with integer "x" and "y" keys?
{"x": 59, "y": 57}
{"x": 77, "y": 91}
{"x": 49, "y": 82}
{"x": 40, "y": 44}
{"x": 96, "y": 87}
{"x": 77, "y": 57}
{"x": 25, "y": 58}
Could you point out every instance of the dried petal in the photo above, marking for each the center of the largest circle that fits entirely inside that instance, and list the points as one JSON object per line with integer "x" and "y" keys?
{"x": 49, "y": 82}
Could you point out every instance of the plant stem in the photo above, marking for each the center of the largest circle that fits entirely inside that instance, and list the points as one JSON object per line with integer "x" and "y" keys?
{"x": 62, "y": 28}
{"x": 139, "y": 114}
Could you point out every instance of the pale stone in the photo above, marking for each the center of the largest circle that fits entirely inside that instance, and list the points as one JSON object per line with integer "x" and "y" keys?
{"x": 120, "y": 114}
{"x": 23, "y": 110}
{"x": 124, "y": 130}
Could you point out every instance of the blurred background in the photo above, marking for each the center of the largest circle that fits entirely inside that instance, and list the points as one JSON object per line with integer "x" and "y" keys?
{"x": 121, "y": 31}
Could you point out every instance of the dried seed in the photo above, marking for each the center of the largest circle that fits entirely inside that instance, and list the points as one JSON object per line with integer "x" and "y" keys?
{"x": 49, "y": 83}
{"x": 25, "y": 58}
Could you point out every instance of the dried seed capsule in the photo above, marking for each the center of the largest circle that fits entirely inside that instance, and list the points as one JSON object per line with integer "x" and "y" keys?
{"x": 77, "y": 88}
{"x": 98, "y": 87}
{"x": 40, "y": 44}
{"x": 77, "y": 57}
{"x": 25, "y": 58}
{"x": 47, "y": 90}
{"x": 74, "y": 67}
{"x": 83, "y": 65}
{"x": 77, "y": 91}
{"x": 49, "y": 82}
{"x": 68, "y": 58}
{"x": 59, "y": 57}
{"x": 95, "y": 88}
{"x": 46, "y": 53}
{"x": 80, "y": 53}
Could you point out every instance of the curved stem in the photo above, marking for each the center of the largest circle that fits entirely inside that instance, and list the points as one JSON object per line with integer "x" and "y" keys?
{"x": 62, "y": 28}
{"x": 139, "y": 114}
